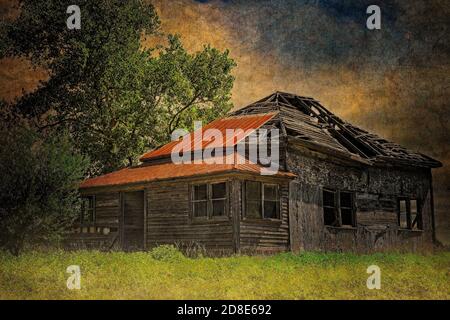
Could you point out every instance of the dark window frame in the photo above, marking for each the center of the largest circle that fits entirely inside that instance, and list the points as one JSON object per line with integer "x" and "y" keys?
{"x": 332, "y": 207}
{"x": 209, "y": 201}
{"x": 415, "y": 224}
{"x": 337, "y": 207}
{"x": 261, "y": 199}
{"x": 85, "y": 211}
{"x": 352, "y": 208}
{"x": 195, "y": 201}
{"x": 276, "y": 201}
{"x": 254, "y": 200}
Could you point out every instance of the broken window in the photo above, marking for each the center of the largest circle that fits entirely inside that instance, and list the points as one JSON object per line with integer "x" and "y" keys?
{"x": 88, "y": 210}
{"x": 338, "y": 208}
{"x": 416, "y": 218}
{"x": 346, "y": 208}
{"x": 209, "y": 200}
{"x": 402, "y": 215}
{"x": 262, "y": 200}
{"x": 329, "y": 208}
{"x": 409, "y": 215}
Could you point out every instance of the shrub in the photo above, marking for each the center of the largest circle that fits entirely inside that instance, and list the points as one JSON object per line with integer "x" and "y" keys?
{"x": 191, "y": 249}
{"x": 167, "y": 253}
{"x": 39, "y": 186}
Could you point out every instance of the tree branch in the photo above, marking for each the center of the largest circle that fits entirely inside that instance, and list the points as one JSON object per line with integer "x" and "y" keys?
{"x": 176, "y": 116}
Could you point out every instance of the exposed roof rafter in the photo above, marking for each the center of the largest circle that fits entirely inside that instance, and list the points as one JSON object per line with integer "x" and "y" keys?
{"x": 305, "y": 118}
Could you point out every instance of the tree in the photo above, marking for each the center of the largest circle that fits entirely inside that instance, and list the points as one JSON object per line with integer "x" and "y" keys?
{"x": 115, "y": 98}
{"x": 38, "y": 189}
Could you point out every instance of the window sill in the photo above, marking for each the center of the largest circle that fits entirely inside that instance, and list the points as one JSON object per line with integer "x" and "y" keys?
{"x": 342, "y": 228}
{"x": 262, "y": 220}
{"x": 207, "y": 220}
{"x": 410, "y": 230}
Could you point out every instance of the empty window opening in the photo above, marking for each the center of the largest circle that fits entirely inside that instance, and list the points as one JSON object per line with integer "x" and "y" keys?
{"x": 409, "y": 214}
{"x": 403, "y": 221}
{"x": 338, "y": 208}
{"x": 346, "y": 208}
{"x": 329, "y": 208}
{"x": 88, "y": 210}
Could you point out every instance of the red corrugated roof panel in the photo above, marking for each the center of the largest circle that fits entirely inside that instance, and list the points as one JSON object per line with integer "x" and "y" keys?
{"x": 170, "y": 170}
{"x": 246, "y": 124}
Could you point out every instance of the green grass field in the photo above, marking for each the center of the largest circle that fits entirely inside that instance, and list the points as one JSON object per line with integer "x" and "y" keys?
{"x": 169, "y": 275}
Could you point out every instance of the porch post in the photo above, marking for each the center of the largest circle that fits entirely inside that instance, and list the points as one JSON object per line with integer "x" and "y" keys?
{"x": 145, "y": 218}
{"x": 235, "y": 211}
{"x": 121, "y": 220}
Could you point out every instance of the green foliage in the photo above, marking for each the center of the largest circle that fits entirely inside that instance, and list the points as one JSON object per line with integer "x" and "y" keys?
{"x": 115, "y": 98}
{"x": 118, "y": 275}
{"x": 38, "y": 189}
{"x": 166, "y": 253}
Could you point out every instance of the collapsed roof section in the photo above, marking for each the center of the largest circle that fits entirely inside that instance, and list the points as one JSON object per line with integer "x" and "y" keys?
{"x": 305, "y": 120}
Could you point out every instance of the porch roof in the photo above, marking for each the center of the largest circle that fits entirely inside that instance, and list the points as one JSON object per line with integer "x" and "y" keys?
{"x": 169, "y": 170}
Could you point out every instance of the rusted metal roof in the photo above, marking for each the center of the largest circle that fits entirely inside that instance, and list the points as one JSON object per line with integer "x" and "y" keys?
{"x": 243, "y": 126}
{"x": 169, "y": 170}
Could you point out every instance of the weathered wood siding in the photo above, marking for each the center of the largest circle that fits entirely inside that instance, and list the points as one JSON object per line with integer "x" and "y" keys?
{"x": 267, "y": 236}
{"x": 107, "y": 214}
{"x": 107, "y": 209}
{"x": 169, "y": 222}
{"x": 166, "y": 213}
{"x": 376, "y": 191}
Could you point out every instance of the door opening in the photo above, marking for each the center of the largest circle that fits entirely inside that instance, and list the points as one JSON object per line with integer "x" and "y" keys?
{"x": 133, "y": 207}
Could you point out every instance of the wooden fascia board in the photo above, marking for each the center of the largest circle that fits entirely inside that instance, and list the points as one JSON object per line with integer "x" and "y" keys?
{"x": 388, "y": 161}
{"x": 135, "y": 186}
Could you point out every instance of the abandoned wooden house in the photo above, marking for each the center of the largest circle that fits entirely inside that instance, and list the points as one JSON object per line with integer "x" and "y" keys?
{"x": 338, "y": 188}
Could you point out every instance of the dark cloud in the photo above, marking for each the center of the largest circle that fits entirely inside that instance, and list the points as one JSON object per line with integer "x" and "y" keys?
{"x": 310, "y": 33}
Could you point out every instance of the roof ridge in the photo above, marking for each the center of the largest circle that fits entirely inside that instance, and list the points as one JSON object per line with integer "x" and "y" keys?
{"x": 231, "y": 116}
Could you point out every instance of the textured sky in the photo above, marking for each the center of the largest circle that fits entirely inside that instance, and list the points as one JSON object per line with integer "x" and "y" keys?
{"x": 394, "y": 81}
